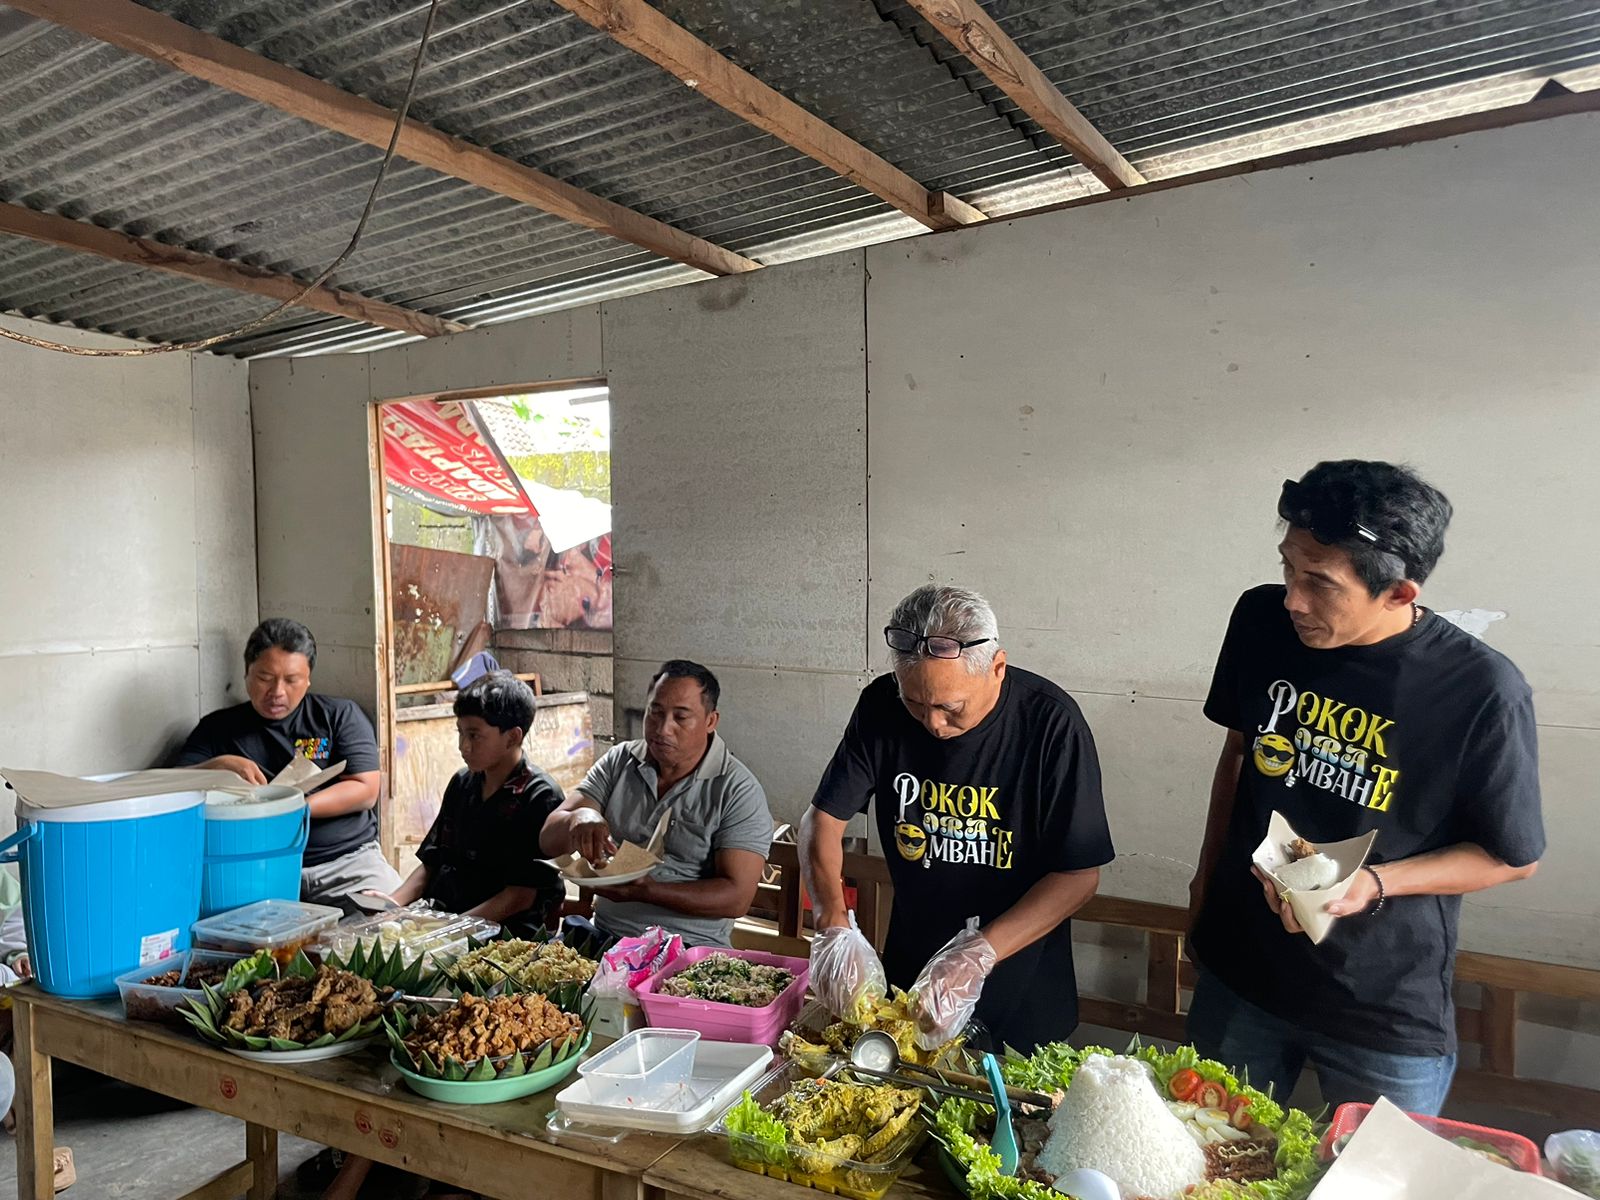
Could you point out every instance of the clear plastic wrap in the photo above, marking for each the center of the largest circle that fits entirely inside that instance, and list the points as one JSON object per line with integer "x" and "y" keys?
{"x": 846, "y": 973}
{"x": 948, "y": 988}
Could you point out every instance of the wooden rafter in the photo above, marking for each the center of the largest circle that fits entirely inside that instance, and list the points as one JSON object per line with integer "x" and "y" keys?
{"x": 645, "y": 30}
{"x": 175, "y": 260}
{"x": 972, "y": 31}
{"x": 132, "y": 27}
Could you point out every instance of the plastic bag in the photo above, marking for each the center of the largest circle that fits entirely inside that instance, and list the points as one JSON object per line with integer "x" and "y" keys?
{"x": 846, "y": 973}
{"x": 633, "y": 960}
{"x": 948, "y": 988}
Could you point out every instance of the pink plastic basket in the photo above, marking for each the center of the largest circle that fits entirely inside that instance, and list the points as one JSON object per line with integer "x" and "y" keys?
{"x": 725, "y": 1022}
{"x": 1524, "y": 1155}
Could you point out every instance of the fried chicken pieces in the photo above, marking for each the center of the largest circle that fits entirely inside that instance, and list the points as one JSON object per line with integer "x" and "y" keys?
{"x": 476, "y": 1028}
{"x": 303, "y": 1010}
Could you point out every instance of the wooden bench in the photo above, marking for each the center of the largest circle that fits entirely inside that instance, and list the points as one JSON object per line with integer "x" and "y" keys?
{"x": 1492, "y": 1026}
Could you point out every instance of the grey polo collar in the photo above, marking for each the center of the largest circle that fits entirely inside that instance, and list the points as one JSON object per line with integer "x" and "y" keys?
{"x": 716, "y": 762}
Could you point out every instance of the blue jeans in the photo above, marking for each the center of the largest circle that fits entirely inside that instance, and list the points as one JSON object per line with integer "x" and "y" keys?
{"x": 1230, "y": 1029}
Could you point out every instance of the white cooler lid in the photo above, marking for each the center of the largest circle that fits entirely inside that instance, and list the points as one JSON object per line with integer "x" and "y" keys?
{"x": 268, "y": 800}
{"x": 42, "y": 796}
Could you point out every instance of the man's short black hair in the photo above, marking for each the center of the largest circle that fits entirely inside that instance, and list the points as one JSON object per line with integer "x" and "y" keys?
{"x": 682, "y": 668}
{"x": 499, "y": 699}
{"x": 280, "y": 633}
{"x": 1407, "y": 515}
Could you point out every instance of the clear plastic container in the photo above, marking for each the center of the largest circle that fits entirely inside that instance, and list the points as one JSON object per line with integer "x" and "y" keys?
{"x": 814, "y": 1168}
{"x": 419, "y": 930}
{"x": 650, "y": 1068}
{"x": 143, "y": 1000}
{"x": 284, "y": 927}
{"x": 1574, "y": 1156}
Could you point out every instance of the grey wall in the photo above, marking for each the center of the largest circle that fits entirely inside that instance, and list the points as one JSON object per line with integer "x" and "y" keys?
{"x": 128, "y": 578}
{"x": 1086, "y": 415}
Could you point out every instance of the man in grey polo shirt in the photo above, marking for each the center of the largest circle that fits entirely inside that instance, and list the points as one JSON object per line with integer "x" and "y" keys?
{"x": 721, "y": 828}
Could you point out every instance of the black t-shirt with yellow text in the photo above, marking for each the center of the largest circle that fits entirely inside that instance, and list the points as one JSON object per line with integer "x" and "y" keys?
{"x": 1427, "y": 737}
{"x": 969, "y": 824}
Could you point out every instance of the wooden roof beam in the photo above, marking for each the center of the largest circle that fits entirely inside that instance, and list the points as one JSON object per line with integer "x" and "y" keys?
{"x": 131, "y": 27}
{"x": 645, "y": 30}
{"x": 175, "y": 260}
{"x": 973, "y": 31}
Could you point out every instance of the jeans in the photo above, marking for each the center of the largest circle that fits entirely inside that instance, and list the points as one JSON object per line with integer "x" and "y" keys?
{"x": 1272, "y": 1052}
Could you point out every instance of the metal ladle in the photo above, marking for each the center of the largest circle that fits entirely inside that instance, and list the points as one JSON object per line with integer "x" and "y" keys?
{"x": 875, "y": 1052}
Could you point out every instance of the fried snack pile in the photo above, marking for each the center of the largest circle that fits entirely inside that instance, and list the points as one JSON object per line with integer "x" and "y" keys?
{"x": 476, "y": 1028}
{"x": 302, "y": 1010}
{"x": 891, "y": 1016}
{"x": 536, "y": 965}
{"x": 846, "y": 1120}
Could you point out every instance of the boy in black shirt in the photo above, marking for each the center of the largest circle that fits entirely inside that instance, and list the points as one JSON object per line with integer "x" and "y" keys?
{"x": 481, "y": 856}
{"x": 987, "y": 791}
{"x": 1351, "y": 708}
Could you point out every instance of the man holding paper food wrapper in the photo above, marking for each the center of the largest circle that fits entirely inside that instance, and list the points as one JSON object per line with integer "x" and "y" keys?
{"x": 987, "y": 790}
{"x": 680, "y": 779}
{"x": 285, "y": 724}
{"x": 1380, "y": 763}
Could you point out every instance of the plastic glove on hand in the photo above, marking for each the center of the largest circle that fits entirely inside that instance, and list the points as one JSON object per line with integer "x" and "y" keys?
{"x": 948, "y": 989}
{"x": 846, "y": 974}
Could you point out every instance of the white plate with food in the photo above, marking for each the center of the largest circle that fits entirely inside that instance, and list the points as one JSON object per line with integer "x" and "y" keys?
{"x": 630, "y": 863}
{"x": 321, "y": 1053}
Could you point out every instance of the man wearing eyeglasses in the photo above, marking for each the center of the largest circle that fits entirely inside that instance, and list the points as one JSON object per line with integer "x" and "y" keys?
{"x": 989, "y": 808}
{"x": 1351, "y": 708}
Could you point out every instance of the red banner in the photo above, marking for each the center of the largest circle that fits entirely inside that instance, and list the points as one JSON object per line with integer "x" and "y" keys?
{"x": 433, "y": 450}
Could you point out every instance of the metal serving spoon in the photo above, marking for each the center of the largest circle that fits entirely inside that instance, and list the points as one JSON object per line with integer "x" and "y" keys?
{"x": 875, "y": 1050}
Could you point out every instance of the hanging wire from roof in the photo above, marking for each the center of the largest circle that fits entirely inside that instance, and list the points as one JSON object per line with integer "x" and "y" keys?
{"x": 355, "y": 240}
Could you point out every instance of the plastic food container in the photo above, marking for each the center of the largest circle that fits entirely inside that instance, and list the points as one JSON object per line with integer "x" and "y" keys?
{"x": 650, "y": 1068}
{"x": 284, "y": 927}
{"x": 719, "y": 1022}
{"x": 722, "y": 1071}
{"x": 814, "y": 1168}
{"x": 1574, "y": 1156}
{"x": 1522, "y": 1153}
{"x": 146, "y": 1001}
{"x": 419, "y": 932}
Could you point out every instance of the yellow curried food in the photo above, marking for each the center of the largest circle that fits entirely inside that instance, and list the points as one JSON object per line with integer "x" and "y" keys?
{"x": 536, "y": 965}
{"x": 830, "y": 1117}
{"x": 891, "y": 1016}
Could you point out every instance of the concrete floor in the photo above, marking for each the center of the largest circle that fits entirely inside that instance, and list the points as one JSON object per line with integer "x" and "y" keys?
{"x": 133, "y": 1145}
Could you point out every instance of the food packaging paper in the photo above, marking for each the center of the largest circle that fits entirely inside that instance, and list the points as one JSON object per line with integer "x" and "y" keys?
{"x": 1350, "y": 855}
{"x": 630, "y": 859}
{"x": 302, "y": 775}
{"x": 43, "y": 789}
{"x": 1391, "y": 1157}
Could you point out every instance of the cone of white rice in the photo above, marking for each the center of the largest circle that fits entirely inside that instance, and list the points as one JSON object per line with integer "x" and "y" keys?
{"x": 1113, "y": 1120}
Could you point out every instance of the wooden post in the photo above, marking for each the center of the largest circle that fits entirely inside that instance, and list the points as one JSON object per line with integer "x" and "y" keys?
{"x": 36, "y": 1136}
{"x": 1161, "y": 975}
{"x": 261, "y": 1149}
{"x": 1498, "y": 1036}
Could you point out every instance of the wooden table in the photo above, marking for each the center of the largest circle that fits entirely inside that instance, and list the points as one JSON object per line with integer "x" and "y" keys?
{"x": 357, "y": 1103}
{"x": 698, "y": 1169}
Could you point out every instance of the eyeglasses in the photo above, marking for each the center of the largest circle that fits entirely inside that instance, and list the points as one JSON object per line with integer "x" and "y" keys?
{"x": 936, "y": 646}
{"x": 1328, "y": 522}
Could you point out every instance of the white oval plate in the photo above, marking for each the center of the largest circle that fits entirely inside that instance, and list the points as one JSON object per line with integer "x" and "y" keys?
{"x": 337, "y": 1050}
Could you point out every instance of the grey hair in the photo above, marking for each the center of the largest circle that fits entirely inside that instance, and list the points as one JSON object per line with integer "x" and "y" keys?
{"x": 938, "y": 610}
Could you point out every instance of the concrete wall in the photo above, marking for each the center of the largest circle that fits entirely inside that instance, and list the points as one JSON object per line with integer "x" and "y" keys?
{"x": 128, "y": 580}
{"x": 1086, "y": 415}
{"x": 567, "y": 660}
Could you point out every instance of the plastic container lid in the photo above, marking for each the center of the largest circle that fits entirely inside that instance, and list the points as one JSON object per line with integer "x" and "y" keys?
{"x": 722, "y": 1071}
{"x": 270, "y": 800}
{"x": 650, "y": 1068}
{"x": 112, "y": 810}
{"x": 265, "y": 925}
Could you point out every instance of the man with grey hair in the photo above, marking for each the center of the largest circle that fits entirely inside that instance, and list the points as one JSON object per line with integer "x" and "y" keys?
{"x": 989, "y": 807}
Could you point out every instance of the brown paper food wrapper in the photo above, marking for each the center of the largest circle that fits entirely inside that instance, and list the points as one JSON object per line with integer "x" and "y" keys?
{"x": 630, "y": 859}
{"x": 1349, "y": 855}
{"x": 45, "y": 790}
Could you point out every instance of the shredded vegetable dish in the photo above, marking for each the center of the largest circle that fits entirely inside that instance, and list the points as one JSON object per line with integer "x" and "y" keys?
{"x": 724, "y": 979}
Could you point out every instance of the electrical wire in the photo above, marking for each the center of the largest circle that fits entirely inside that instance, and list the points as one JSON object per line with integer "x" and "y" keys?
{"x": 355, "y": 239}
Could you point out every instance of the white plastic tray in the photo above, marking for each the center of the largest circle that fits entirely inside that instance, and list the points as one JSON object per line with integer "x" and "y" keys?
{"x": 722, "y": 1071}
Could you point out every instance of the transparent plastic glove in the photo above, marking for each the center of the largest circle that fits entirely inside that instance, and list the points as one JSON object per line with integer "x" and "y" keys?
{"x": 846, "y": 973}
{"x": 948, "y": 989}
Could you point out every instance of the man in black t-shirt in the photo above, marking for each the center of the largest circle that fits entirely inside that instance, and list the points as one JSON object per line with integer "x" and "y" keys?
{"x": 989, "y": 807}
{"x": 284, "y": 718}
{"x": 1350, "y": 708}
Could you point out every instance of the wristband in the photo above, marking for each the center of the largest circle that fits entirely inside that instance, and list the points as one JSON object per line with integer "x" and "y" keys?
{"x": 1378, "y": 879}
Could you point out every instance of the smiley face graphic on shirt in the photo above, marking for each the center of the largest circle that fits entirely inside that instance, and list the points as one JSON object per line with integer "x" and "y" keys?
{"x": 1273, "y": 754}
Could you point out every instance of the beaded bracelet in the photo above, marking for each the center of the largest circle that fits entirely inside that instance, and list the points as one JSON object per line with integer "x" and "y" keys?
{"x": 1378, "y": 879}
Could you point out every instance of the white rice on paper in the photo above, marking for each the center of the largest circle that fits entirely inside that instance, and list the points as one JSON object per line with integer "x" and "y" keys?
{"x": 1309, "y": 874}
{"x": 1113, "y": 1120}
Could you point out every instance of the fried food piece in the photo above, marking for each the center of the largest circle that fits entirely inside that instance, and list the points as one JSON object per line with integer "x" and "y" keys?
{"x": 500, "y": 1026}
{"x": 1300, "y": 848}
{"x": 302, "y": 1010}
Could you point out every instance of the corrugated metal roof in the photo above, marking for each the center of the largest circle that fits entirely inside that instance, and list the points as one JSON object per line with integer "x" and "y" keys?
{"x": 102, "y": 135}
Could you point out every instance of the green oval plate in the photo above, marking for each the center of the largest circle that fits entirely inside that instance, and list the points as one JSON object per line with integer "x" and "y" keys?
{"x": 491, "y": 1091}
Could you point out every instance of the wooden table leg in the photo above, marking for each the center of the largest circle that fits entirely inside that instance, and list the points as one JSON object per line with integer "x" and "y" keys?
{"x": 36, "y": 1132}
{"x": 261, "y": 1150}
